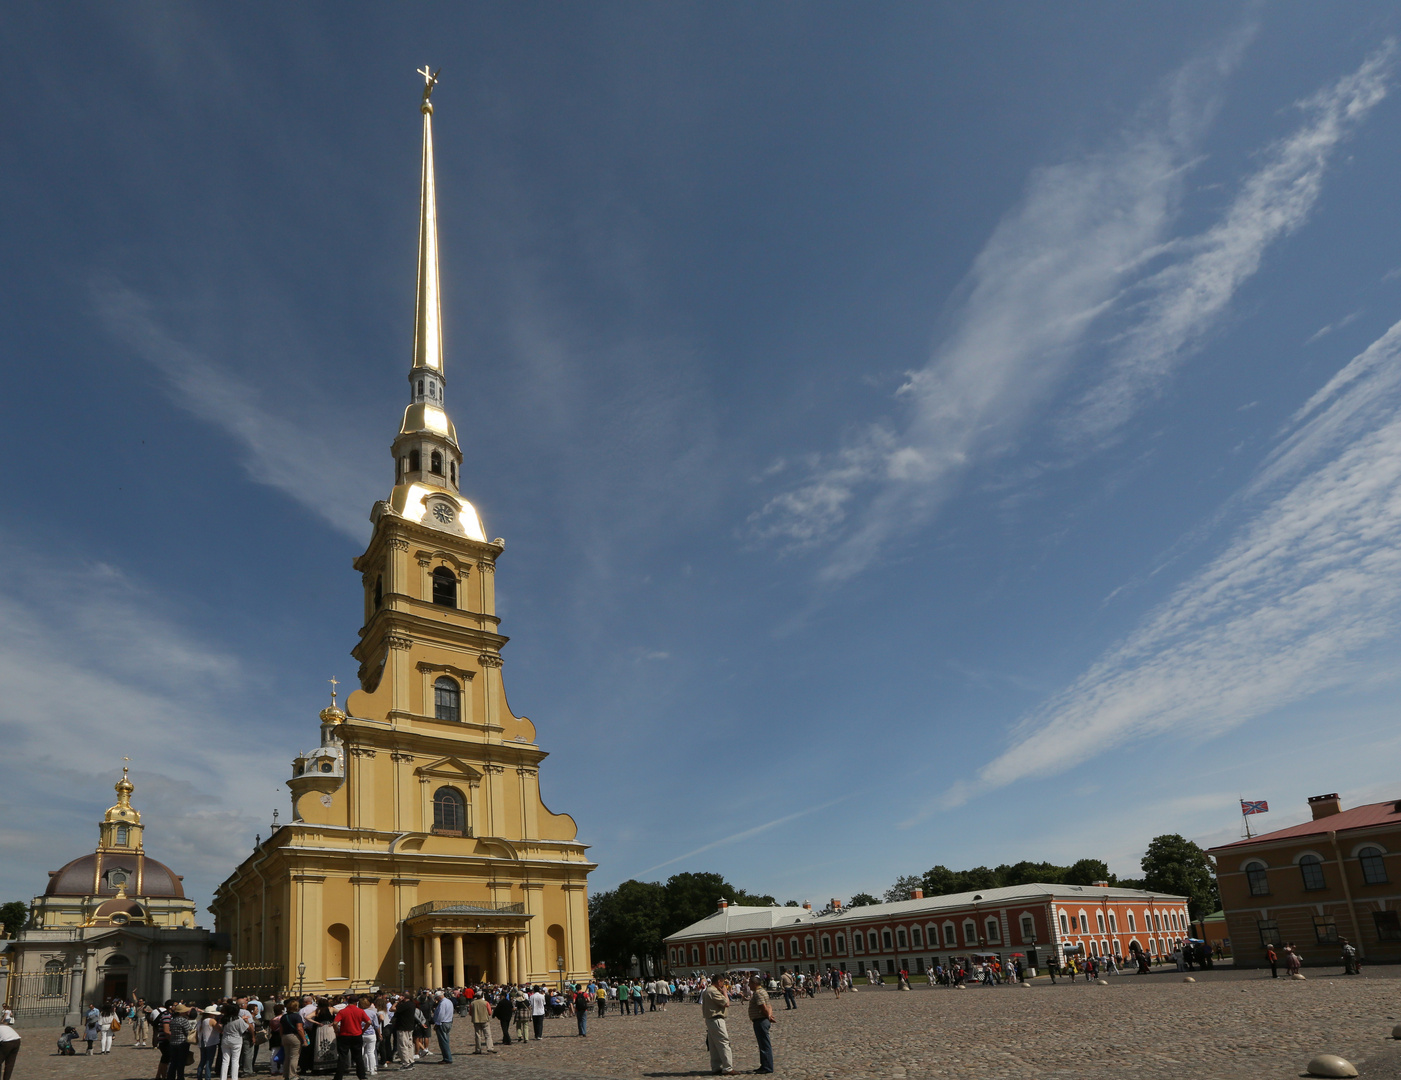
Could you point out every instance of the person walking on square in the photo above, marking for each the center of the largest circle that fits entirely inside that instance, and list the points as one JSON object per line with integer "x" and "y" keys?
{"x": 293, "y": 1036}
{"x": 350, "y": 1025}
{"x": 1292, "y": 960}
{"x": 790, "y": 999}
{"x": 404, "y": 1023}
{"x": 1349, "y": 958}
{"x": 480, "y": 1011}
{"x": 715, "y": 1003}
{"x": 502, "y": 1013}
{"x": 520, "y": 1004}
{"x": 761, "y": 1016}
{"x": 537, "y": 1012}
{"x": 1272, "y": 958}
{"x": 443, "y": 1014}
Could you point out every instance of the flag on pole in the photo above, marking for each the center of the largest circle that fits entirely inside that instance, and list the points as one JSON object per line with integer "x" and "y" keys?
{"x": 1248, "y": 808}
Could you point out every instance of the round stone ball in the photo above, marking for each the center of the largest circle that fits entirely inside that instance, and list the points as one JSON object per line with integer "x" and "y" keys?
{"x": 1396, "y": 1032}
{"x": 1189, "y": 979}
{"x": 1297, "y": 977}
{"x": 1101, "y": 982}
{"x": 1331, "y": 1065}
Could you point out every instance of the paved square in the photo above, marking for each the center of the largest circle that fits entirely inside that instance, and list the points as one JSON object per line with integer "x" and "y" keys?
{"x": 1231, "y": 1025}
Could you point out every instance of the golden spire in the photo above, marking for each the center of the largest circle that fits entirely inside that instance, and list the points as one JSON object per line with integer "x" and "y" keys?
{"x": 428, "y": 317}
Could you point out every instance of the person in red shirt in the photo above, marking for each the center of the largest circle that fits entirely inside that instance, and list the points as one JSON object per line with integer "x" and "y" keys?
{"x": 350, "y": 1025}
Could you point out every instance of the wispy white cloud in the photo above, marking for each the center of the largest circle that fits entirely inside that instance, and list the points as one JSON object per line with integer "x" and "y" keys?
{"x": 1187, "y": 298}
{"x": 1324, "y": 331}
{"x": 1289, "y": 608}
{"x": 94, "y": 669}
{"x": 1053, "y": 265}
{"x": 747, "y": 834}
{"x": 1090, "y": 238}
{"x": 298, "y": 453}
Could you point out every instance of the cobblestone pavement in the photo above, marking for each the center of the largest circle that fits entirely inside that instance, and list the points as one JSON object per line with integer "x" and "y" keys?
{"x": 1229, "y": 1025}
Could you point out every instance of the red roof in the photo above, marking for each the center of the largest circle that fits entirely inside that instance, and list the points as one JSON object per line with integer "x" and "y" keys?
{"x": 1359, "y": 817}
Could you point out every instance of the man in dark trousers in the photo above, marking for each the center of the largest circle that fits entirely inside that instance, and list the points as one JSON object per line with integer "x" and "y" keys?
{"x": 1272, "y": 959}
{"x": 350, "y": 1025}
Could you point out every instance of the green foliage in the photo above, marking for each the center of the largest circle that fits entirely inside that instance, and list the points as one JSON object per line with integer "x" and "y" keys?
{"x": 1087, "y": 872}
{"x": 13, "y": 916}
{"x": 941, "y": 881}
{"x": 863, "y": 899}
{"x": 633, "y": 919}
{"x": 792, "y": 903}
{"x": 1174, "y": 864}
{"x": 903, "y": 888}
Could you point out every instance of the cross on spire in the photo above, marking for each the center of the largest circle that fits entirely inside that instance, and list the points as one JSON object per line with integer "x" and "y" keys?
{"x": 334, "y": 683}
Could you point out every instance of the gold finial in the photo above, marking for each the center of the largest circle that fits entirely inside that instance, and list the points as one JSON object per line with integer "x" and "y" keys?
{"x": 124, "y": 787}
{"x": 332, "y": 714}
{"x": 430, "y": 80}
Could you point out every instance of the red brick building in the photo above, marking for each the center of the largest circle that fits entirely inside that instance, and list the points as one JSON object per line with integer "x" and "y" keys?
{"x": 1035, "y": 921}
{"x": 1335, "y": 876}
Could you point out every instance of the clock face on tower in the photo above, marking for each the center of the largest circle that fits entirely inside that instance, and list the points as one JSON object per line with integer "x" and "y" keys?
{"x": 443, "y": 513}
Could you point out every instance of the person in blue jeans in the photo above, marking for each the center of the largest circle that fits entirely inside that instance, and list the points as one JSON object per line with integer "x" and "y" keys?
{"x": 761, "y": 1016}
{"x": 442, "y": 1021}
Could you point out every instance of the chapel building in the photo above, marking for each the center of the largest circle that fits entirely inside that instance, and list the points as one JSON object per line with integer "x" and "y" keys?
{"x": 419, "y": 853}
{"x": 104, "y": 926}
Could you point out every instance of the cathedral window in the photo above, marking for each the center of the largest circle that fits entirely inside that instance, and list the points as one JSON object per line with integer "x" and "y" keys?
{"x": 413, "y": 461}
{"x": 420, "y": 387}
{"x": 452, "y": 471}
{"x": 444, "y": 587}
{"x": 435, "y": 463}
{"x": 53, "y": 979}
{"x": 122, "y": 835}
{"x": 449, "y": 810}
{"x": 447, "y": 700}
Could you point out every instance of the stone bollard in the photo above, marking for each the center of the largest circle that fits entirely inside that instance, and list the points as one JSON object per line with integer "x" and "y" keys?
{"x": 1396, "y": 1032}
{"x": 1028, "y": 986}
{"x": 1331, "y": 1065}
{"x": 1189, "y": 979}
{"x": 1101, "y": 982}
{"x": 1297, "y": 977}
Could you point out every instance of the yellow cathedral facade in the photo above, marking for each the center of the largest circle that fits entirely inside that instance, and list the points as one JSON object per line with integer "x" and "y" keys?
{"x": 419, "y": 852}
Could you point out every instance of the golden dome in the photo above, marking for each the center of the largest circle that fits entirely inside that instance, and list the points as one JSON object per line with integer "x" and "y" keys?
{"x": 332, "y": 715}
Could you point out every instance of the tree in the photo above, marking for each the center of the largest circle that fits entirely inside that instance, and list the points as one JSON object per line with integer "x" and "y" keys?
{"x": 792, "y": 903}
{"x": 13, "y": 916}
{"x": 903, "y": 888}
{"x": 863, "y": 899}
{"x": 1087, "y": 872}
{"x": 1174, "y": 864}
{"x": 628, "y": 921}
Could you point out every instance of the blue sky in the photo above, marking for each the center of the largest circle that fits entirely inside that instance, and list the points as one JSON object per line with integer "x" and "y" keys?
{"x": 922, "y": 434}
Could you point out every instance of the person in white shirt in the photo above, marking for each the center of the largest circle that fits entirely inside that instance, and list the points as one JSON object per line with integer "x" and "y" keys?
{"x": 537, "y": 1011}
{"x": 9, "y": 1050}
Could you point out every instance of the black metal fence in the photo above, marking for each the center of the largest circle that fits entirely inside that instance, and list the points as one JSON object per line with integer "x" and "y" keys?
{"x": 39, "y": 997}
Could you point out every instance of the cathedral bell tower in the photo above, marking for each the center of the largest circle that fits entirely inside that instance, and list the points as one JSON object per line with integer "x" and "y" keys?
{"x": 419, "y": 851}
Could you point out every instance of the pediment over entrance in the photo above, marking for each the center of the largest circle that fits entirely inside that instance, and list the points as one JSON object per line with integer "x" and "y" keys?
{"x": 450, "y": 768}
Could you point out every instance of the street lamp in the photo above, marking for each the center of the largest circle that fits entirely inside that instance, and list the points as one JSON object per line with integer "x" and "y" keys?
{"x": 301, "y": 976}
{"x": 561, "y": 974}
{"x": 401, "y": 976}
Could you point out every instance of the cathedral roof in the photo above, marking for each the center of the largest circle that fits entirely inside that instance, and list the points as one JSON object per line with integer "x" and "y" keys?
{"x": 145, "y": 876}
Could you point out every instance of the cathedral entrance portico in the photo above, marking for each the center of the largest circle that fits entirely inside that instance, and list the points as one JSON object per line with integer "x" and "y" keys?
{"x": 458, "y": 943}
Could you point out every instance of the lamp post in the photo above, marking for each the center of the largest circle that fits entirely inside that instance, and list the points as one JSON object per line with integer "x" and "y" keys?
{"x": 561, "y": 974}
{"x": 301, "y": 976}
{"x": 401, "y": 976}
